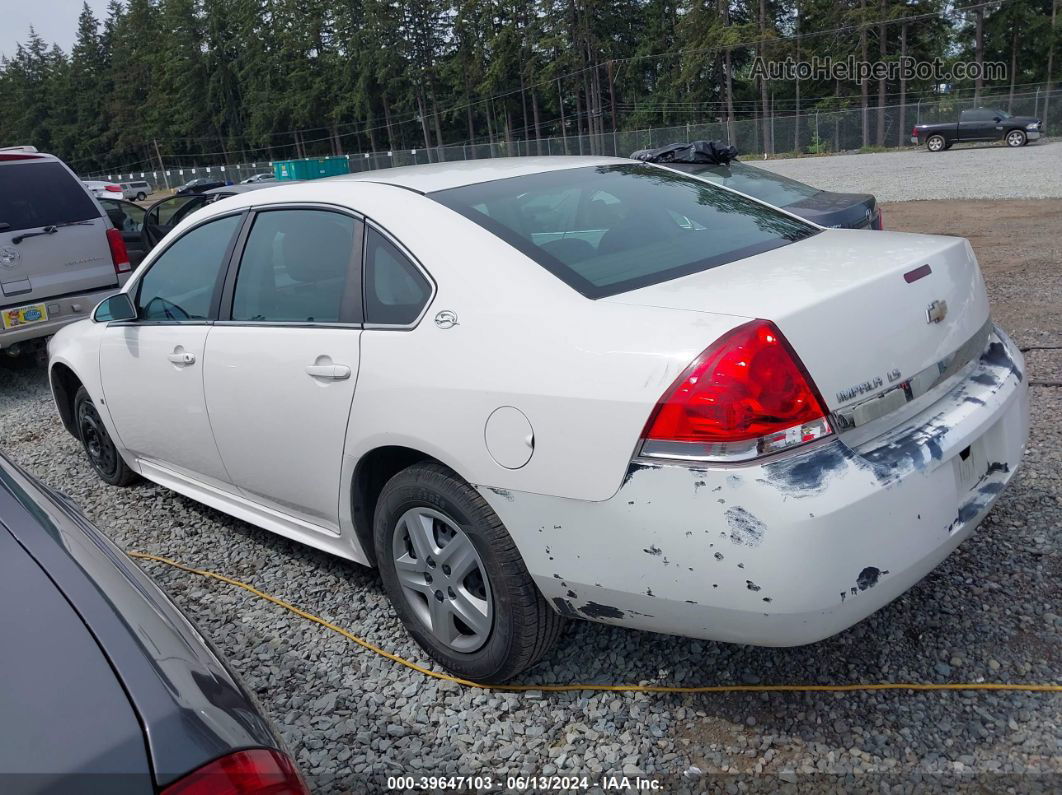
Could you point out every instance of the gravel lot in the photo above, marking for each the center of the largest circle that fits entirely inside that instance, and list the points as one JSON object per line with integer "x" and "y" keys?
{"x": 989, "y": 613}
{"x": 967, "y": 171}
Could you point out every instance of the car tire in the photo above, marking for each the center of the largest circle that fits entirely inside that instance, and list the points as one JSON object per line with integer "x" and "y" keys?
{"x": 141, "y": 196}
{"x": 936, "y": 143}
{"x": 510, "y": 626}
{"x": 99, "y": 447}
{"x": 1016, "y": 138}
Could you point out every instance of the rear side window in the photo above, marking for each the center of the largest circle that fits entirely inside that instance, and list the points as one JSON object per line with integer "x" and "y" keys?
{"x": 395, "y": 290}
{"x": 608, "y": 229}
{"x": 180, "y": 284}
{"x": 297, "y": 268}
{"x": 43, "y": 193}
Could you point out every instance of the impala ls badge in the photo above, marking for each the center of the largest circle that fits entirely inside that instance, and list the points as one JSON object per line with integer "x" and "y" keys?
{"x": 937, "y": 311}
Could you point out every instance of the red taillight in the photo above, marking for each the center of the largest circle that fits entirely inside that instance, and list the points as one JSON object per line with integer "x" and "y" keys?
{"x": 18, "y": 157}
{"x": 260, "y": 771}
{"x": 747, "y": 395}
{"x": 914, "y": 132}
{"x": 112, "y": 188}
{"x": 119, "y": 255}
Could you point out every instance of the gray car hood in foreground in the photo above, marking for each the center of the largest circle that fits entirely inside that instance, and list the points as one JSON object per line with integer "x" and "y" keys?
{"x": 62, "y": 712}
{"x": 191, "y": 708}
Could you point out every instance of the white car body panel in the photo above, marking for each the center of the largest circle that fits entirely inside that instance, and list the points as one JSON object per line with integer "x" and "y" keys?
{"x": 270, "y": 416}
{"x": 156, "y": 406}
{"x": 606, "y": 539}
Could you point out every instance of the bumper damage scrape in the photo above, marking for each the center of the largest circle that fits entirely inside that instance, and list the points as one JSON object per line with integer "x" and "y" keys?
{"x": 730, "y": 554}
{"x": 913, "y": 447}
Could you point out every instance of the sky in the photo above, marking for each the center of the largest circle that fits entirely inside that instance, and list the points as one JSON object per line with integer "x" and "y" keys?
{"x": 54, "y": 20}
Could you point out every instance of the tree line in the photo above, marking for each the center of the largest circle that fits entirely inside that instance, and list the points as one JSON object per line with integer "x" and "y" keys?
{"x": 210, "y": 81}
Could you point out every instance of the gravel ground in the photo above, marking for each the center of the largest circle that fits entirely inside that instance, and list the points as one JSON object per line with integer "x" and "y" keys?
{"x": 989, "y": 613}
{"x": 967, "y": 171}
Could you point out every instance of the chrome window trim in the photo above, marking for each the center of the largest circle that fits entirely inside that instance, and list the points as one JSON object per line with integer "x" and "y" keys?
{"x": 416, "y": 264}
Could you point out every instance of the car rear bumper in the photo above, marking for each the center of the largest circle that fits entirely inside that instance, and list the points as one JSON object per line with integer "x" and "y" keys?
{"x": 62, "y": 311}
{"x": 789, "y": 551}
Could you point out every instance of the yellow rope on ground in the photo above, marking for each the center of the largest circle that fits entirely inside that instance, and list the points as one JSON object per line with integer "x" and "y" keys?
{"x": 1035, "y": 688}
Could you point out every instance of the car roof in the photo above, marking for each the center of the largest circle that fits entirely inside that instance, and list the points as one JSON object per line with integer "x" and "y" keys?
{"x": 238, "y": 188}
{"x": 441, "y": 176}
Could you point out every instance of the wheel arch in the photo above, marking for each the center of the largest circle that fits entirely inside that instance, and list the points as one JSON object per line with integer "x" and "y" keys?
{"x": 371, "y": 472}
{"x": 65, "y": 383}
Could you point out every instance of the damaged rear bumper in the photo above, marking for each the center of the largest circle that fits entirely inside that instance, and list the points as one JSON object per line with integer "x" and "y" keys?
{"x": 788, "y": 551}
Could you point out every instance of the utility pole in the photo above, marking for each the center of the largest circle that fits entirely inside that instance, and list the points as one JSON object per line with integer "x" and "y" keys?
{"x": 1050, "y": 61}
{"x": 162, "y": 168}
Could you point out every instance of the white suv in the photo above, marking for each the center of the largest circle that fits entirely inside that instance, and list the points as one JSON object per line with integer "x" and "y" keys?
{"x": 59, "y": 253}
{"x": 137, "y": 190}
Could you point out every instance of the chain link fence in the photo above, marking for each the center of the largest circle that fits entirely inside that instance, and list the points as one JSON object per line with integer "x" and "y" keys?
{"x": 812, "y": 132}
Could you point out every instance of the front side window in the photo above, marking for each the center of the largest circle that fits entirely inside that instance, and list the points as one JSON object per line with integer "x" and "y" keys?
{"x": 180, "y": 283}
{"x": 170, "y": 212}
{"x": 297, "y": 268}
{"x": 604, "y": 230}
{"x": 395, "y": 290}
{"x": 125, "y": 216}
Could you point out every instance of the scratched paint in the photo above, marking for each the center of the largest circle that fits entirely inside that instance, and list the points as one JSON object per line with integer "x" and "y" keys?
{"x": 745, "y": 529}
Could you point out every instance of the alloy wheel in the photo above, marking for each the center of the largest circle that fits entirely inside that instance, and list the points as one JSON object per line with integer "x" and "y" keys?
{"x": 1015, "y": 138}
{"x": 443, "y": 579}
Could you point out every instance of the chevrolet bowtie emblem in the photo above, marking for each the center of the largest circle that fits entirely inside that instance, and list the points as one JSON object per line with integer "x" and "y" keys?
{"x": 937, "y": 311}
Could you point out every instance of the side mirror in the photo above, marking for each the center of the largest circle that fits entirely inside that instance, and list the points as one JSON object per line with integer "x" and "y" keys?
{"x": 118, "y": 307}
{"x": 997, "y": 118}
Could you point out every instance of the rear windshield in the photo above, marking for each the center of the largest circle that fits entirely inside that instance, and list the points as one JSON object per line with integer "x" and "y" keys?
{"x": 608, "y": 229}
{"x": 36, "y": 194}
{"x": 763, "y": 185}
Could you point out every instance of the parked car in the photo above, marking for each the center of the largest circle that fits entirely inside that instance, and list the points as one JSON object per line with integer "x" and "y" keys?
{"x": 128, "y": 218}
{"x": 166, "y": 213}
{"x": 980, "y": 124}
{"x": 531, "y": 389}
{"x": 264, "y": 177}
{"x": 59, "y": 254}
{"x": 101, "y": 188}
{"x": 822, "y": 207}
{"x": 199, "y": 185}
{"x": 109, "y": 687}
{"x": 138, "y": 190}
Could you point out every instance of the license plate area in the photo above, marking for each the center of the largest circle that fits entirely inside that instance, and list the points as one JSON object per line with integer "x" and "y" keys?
{"x": 970, "y": 465}
{"x": 25, "y": 315}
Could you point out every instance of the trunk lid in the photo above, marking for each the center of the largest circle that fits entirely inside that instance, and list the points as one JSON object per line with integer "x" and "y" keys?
{"x": 855, "y": 306}
{"x": 838, "y": 210}
{"x": 39, "y": 194}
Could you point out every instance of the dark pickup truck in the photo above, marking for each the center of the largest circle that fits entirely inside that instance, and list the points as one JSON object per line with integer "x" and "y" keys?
{"x": 980, "y": 124}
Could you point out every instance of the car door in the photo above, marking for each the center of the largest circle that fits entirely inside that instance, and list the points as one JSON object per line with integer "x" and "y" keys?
{"x": 151, "y": 368}
{"x": 282, "y": 361}
{"x": 164, "y": 215}
{"x": 977, "y": 125}
{"x": 128, "y": 218}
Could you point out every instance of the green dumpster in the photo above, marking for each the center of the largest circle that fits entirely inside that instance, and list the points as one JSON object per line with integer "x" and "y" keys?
{"x": 310, "y": 168}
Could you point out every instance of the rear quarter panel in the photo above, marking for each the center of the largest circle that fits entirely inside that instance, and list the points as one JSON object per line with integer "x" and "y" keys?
{"x": 586, "y": 374}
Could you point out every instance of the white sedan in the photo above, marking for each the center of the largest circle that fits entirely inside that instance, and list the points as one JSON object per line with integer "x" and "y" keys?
{"x": 533, "y": 389}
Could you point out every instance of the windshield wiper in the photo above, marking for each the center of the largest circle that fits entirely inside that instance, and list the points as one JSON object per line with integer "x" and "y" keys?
{"x": 51, "y": 229}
